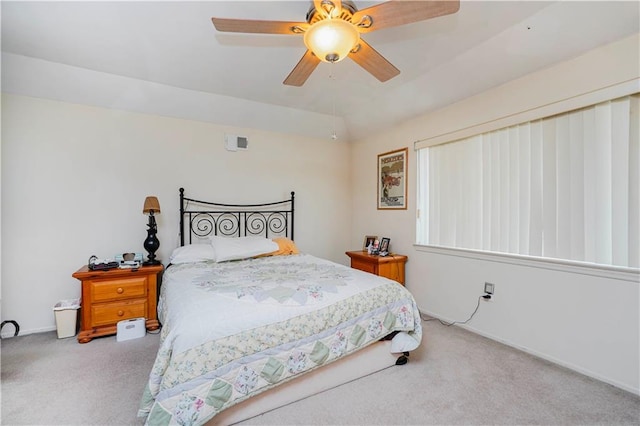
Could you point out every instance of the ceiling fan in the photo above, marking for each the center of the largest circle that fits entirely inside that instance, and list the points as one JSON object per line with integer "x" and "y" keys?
{"x": 333, "y": 28}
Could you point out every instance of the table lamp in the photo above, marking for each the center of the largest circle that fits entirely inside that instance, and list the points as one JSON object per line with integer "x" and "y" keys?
{"x": 151, "y": 243}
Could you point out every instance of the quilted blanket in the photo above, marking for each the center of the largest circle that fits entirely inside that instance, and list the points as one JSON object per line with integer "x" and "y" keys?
{"x": 232, "y": 330}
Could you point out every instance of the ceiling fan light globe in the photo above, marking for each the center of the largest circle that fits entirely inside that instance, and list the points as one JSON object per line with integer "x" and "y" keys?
{"x": 331, "y": 40}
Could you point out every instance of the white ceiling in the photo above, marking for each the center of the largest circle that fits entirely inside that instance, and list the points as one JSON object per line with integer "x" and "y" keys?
{"x": 441, "y": 60}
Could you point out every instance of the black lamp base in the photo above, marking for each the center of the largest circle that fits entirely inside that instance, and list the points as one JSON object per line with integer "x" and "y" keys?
{"x": 151, "y": 243}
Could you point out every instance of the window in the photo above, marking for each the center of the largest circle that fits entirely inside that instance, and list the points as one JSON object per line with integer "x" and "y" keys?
{"x": 562, "y": 187}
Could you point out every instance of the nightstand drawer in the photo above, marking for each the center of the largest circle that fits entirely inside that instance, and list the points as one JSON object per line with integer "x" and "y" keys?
{"x": 106, "y": 314}
{"x": 119, "y": 289}
{"x": 364, "y": 266}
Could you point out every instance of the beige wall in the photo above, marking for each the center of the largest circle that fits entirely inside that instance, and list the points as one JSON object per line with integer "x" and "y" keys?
{"x": 588, "y": 323}
{"x": 74, "y": 179}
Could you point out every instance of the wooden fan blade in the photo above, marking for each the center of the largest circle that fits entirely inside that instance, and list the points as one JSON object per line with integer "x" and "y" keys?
{"x": 302, "y": 70}
{"x": 260, "y": 27}
{"x": 394, "y": 13}
{"x": 369, "y": 59}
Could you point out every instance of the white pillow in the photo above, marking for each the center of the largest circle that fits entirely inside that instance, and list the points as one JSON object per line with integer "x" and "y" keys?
{"x": 241, "y": 247}
{"x": 192, "y": 253}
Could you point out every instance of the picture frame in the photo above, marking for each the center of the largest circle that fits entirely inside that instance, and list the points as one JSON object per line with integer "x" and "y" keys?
{"x": 392, "y": 180}
{"x": 384, "y": 245}
{"x": 368, "y": 239}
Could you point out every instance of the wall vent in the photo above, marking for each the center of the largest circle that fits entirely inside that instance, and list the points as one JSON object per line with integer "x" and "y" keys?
{"x": 236, "y": 143}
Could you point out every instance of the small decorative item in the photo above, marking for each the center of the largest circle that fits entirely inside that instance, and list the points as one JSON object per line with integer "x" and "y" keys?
{"x": 368, "y": 241}
{"x": 392, "y": 180}
{"x": 375, "y": 248}
{"x": 151, "y": 243}
{"x": 384, "y": 245}
{"x": 128, "y": 256}
{"x": 129, "y": 260}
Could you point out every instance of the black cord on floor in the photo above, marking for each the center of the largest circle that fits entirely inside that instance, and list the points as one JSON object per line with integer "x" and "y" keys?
{"x": 449, "y": 324}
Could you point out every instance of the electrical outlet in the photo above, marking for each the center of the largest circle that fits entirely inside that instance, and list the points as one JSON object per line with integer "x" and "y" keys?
{"x": 489, "y": 292}
{"x": 489, "y": 288}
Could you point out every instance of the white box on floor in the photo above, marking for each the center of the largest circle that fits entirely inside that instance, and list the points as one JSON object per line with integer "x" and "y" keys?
{"x": 131, "y": 329}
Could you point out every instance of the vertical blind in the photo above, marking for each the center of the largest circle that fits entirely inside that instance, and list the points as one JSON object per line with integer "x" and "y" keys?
{"x": 564, "y": 187}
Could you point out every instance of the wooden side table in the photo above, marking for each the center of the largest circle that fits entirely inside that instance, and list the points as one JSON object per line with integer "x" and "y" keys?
{"x": 116, "y": 295}
{"x": 391, "y": 266}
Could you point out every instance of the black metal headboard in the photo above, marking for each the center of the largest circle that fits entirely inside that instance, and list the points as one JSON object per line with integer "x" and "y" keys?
{"x": 203, "y": 219}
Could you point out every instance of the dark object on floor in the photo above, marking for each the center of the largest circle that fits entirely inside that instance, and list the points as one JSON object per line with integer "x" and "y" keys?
{"x": 15, "y": 324}
{"x": 403, "y": 359}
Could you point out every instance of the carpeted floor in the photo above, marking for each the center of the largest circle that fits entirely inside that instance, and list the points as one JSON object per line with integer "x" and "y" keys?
{"x": 456, "y": 377}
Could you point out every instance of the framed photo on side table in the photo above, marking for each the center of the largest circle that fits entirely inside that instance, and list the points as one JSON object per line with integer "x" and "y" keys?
{"x": 369, "y": 240}
{"x": 392, "y": 180}
{"x": 384, "y": 245}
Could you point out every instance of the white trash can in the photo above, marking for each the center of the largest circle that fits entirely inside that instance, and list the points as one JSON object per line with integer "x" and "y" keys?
{"x": 66, "y": 312}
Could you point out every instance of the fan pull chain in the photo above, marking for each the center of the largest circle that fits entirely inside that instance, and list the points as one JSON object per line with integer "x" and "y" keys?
{"x": 334, "y": 135}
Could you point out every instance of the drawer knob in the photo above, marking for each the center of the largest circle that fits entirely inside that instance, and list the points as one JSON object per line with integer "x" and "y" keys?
{"x": 120, "y": 290}
{"x": 120, "y": 313}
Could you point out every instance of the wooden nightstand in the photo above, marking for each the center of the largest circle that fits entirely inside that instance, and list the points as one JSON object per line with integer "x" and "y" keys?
{"x": 391, "y": 266}
{"x": 116, "y": 295}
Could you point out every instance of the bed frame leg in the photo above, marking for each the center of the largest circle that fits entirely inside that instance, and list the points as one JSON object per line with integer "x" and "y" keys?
{"x": 403, "y": 359}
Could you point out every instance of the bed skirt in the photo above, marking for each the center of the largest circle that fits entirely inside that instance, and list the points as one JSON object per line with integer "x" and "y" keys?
{"x": 373, "y": 358}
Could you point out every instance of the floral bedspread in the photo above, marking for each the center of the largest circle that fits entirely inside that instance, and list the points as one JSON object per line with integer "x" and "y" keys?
{"x": 235, "y": 329}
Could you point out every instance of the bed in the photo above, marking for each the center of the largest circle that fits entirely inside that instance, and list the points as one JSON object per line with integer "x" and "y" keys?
{"x": 250, "y": 324}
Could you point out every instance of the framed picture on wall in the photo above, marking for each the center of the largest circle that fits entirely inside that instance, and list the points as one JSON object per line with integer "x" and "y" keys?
{"x": 392, "y": 180}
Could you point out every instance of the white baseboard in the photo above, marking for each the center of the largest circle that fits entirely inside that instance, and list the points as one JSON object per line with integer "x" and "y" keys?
{"x": 9, "y": 331}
